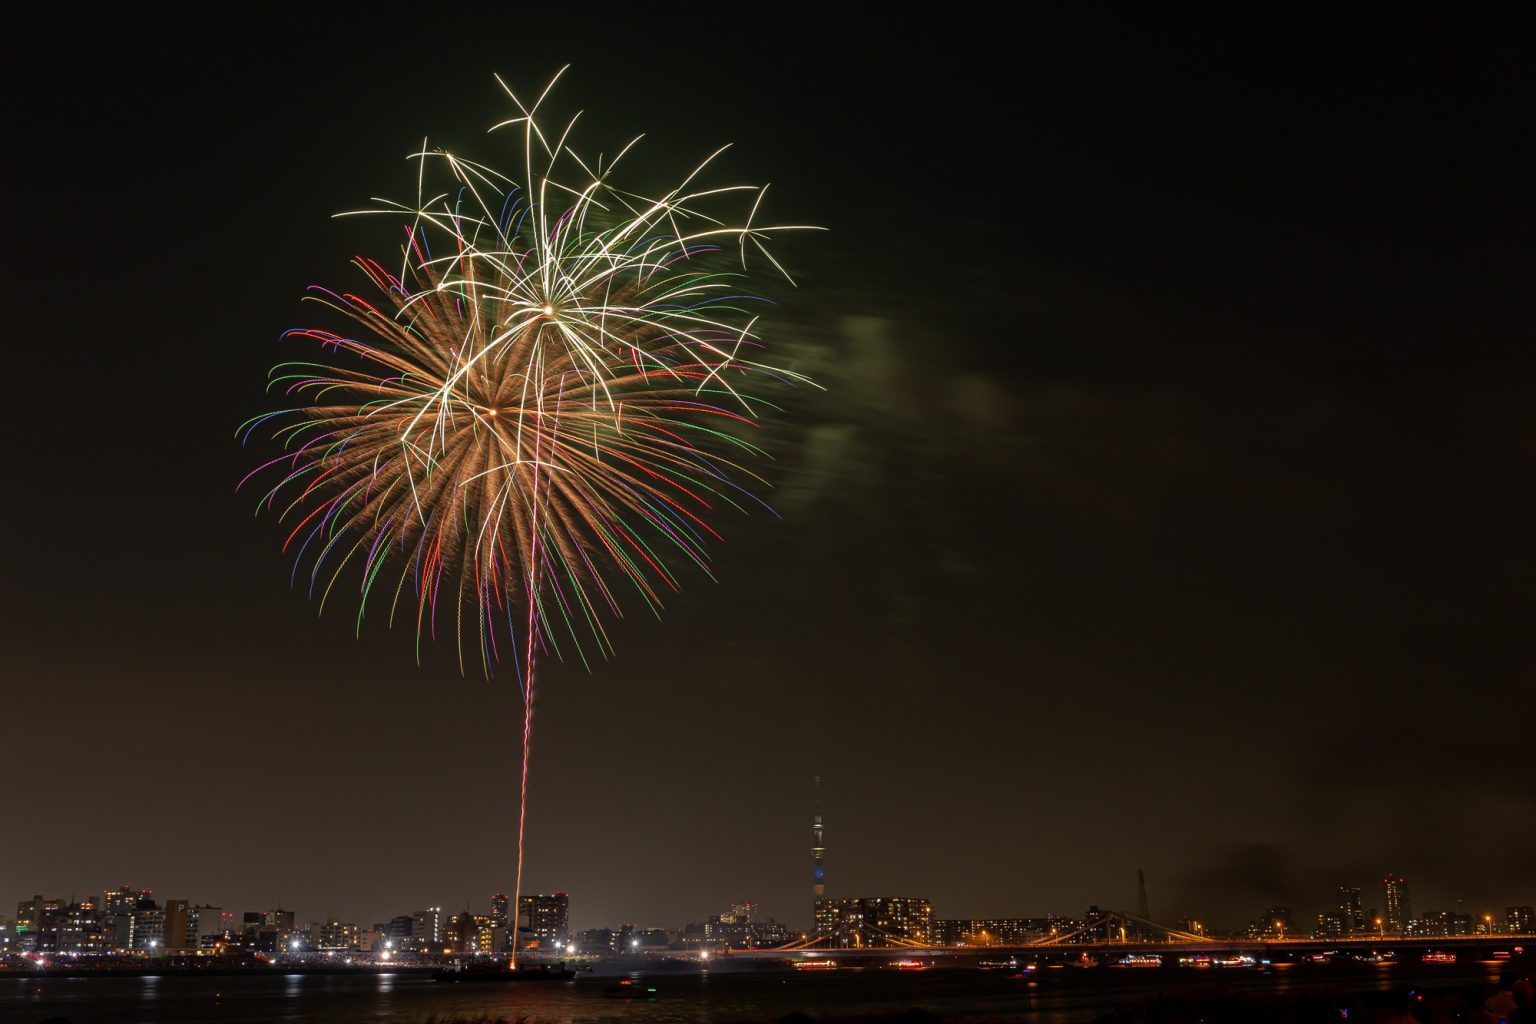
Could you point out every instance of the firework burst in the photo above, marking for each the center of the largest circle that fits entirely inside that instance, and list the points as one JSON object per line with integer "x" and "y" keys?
{"x": 537, "y": 415}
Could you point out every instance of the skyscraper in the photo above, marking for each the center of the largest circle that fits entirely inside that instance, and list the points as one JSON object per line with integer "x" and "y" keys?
{"x": 1349, "y": 907}
{"x": 1399, "y": 907}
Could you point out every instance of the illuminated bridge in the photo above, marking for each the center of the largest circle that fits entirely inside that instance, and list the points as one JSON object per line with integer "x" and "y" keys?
{"x": 1119, "y": 932}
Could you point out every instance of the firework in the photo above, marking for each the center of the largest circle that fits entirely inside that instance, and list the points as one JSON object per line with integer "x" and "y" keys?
{"x": 538, "y": 411}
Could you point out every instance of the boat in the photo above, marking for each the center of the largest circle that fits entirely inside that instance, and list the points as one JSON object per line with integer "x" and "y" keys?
{"x": 529, "y": 972}
{"x": 815, "y": 965}
{"x": 1139, "y": 960}
{"x": 627, "y": 989}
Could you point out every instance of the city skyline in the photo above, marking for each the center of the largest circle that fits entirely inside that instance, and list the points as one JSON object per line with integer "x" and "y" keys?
{"x": 1164, "y": 510}
{"x": 1358, "y": 913}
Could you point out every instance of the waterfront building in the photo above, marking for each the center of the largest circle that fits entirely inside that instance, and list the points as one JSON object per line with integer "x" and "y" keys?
{"x": 499, "y": 904}
{"x": 81, "y": 929}
{"x": 1332, "y": 925}
{"x": 148, "y": 925}
{"x": 120, "y": 916}
{"x": 1398, "y": 905}
{"x": 486, "y": 936}
{"x": 995, "y": 931}
{"x": 336, "y": 934}
{"x": 1274, "y": 923}
{"x": 1351, "y": 910}
{"x": 123, "y": 900}
{"x": 1520, "y": 920}
{"x": 1440, "y": 924}
{"x": 37, "y": 924}
{"x": 427, "y": 928}
{"x": 738, "y": 928}
{"x": 209, "y": 925}
{"x": 860, "y": 921}
{"x": 544, "y": 919}
{"x": 178, "y": 925}
{"x": 596, "y": 941}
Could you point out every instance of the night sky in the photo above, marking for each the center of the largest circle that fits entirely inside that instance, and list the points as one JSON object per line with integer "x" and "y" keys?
{"x": 1169, "y": 505}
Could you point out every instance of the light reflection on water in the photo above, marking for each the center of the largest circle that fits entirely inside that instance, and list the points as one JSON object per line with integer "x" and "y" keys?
{"x": 1062, "y": 998}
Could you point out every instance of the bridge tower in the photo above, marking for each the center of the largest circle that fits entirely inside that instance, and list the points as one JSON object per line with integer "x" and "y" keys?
{"x": 1142, "y": 910}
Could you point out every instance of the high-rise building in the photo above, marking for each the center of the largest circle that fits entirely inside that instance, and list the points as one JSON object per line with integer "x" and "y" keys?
{"x": 1350, "y": 909}
{"x": 999, "y": 931}
{"x": 209, "y": 925}
{"x": 862, "y": 921}
{"x": 499, "y": 909}
{"x": 427, "y": 928}
{"x": 179, "y": 933}
{"x": 37, "y": 924}
{"x": 1440, "y": 923}
{"x": 119, "y": 911}
{"x": 1399, "y": 906}
{"x": 81, "y": 929}
{"x": 123, "y": 900}
{"x": 739, "y": 928}
{"x": 336, "y": 934}
{"x": 148, "y": 925}
{"x": 1332, "y": 925}
{"x": 545, "y": 918}
{"x": 597, "y": 940}
{"x": 1274, "y": 923}
{"x": 1519, "y": 920}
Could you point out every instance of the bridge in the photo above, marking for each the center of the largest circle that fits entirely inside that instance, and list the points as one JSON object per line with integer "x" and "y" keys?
{"x": 1123, "y": 933}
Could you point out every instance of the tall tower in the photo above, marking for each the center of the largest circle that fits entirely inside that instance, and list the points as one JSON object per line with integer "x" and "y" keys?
{"x": 1142, "y": 911}
{"x": 818, "y": 850}
{"x": 1398, "y": 905}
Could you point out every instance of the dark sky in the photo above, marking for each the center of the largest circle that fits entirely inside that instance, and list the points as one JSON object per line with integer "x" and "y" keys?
{"x": 1169, "y": 506}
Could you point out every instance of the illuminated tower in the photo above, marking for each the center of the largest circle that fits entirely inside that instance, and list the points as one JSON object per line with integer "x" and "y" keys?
{"x": 818, "y": 850}
{"x": 1399, "y": 908}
